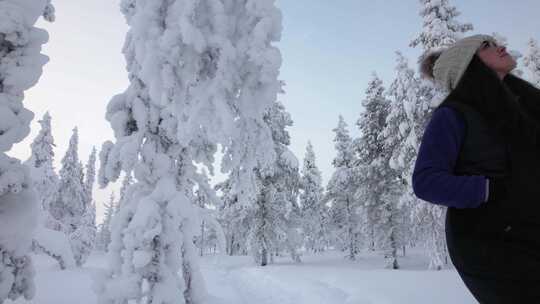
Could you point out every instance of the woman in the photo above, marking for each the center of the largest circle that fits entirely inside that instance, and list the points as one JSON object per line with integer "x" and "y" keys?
{"x": 479, "y": 156}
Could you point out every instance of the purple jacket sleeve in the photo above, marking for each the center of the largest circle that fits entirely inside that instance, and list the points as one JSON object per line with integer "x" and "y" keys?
{"x": 433, "y": 179}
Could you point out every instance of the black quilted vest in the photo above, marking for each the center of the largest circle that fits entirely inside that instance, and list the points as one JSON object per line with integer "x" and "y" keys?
{"x": 482, "y": 153}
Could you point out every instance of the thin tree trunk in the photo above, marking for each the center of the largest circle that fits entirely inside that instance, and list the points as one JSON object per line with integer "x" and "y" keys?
{"x": 264, "y": 257}
{"x": 352, "y": 256}
{"x": 201, "y": 245}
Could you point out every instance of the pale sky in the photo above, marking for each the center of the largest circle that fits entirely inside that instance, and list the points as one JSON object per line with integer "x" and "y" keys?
{"x": 329, "y": 49}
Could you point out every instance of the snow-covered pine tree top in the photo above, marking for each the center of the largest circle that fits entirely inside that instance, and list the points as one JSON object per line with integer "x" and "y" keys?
{"x": 371, "y": 121}
{"x": 70, "y": 161}
{"x": 311, "y": 181}
{"x": 532, "y": 62}
{"x": 41, "y": 165}
{"x": 310, "y": 171}
{"x": 405, "y": 87}
{"x": 440, "y": 27}
{"x": 42, "y": 146}
{"x": 90, "y": 174}
{"x": 214, "y": 87}
{"x": 71, "y": 200}
{"x": 406, "y": 107}
{"x": 343, "y": 145}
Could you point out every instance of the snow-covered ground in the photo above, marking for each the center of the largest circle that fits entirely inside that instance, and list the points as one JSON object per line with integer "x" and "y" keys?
{"x": 323, "y": 279}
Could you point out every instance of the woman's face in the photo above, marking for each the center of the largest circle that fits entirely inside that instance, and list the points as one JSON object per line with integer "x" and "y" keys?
{"x": 496, "y": 58}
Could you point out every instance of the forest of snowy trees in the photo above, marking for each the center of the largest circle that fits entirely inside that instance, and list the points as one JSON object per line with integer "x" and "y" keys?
{"x": 204, "y": 77}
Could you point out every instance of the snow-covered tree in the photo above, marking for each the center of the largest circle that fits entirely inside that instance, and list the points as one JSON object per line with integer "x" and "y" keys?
{"x": 82, "y": 240}
{"x": 232, "y": 217}
{"x": 314, "y": 210}
{"x": 371, "y": 122}
{"x": 41, "y": 163}
{"x": 368, "y": 148}
{"x": 400, "y": 141}
{"x": 68, "y": 205}
{"x": 440, "y": 27}
{"x": 201, "y": 73}
{"x": 71, "y": 205}
{"x": 44, "y": 177}
{"x": 90, "y": 176}
{"x": 380, "y": 200}
{"x": 211, "y": 233}
{"x": 21, "y": 65}
{"x": 340, "y": 193}
{"x": 103, "y": 238}
{"x": 532, "y": 62}
{"x": 274, "y": 217}
{"x": 47, "y": 239}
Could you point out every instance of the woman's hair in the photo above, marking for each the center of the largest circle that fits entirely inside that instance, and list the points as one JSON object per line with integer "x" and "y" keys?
{"x": 482, "y": 89}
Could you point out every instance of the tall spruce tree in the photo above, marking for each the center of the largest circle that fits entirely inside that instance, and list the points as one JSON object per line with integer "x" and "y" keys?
{"x": 42, "y": 170}
{"x": 274, "y": 217}
{"x": 368, "y": 146}
{"x": 68, "y": 205}
{"x": 400, "y": 136}
{"x": 202, "y": 73}
{"x": 83, "y": 238}
{"x": 440, "y": 29}
{"x": 400, "y": 144}
{"x": 383, "y": 213}
{"x": 48, "y": 239}
{"x": 41, "y": 163}
{"x": 314, "y": 210}
{"x": 340, "y": 193}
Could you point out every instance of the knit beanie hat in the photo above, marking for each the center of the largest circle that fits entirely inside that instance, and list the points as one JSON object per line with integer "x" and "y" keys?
{"x": 447, "y": 66}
